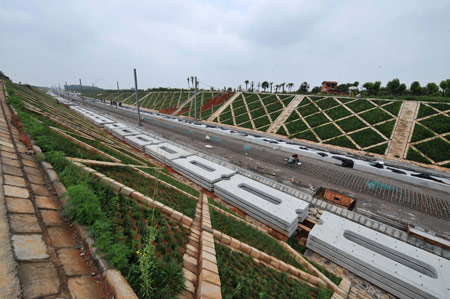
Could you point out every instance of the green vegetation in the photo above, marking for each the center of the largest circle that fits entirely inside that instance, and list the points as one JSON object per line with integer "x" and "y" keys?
{"x": 282, "y": 131}
{"x": 171, "y": 180}
{"x": 420, "y": 133}
{"x": 147, "y": 186}
{"x": 424, "y": 110}
{"x": 350, "y": 124}
{"x": 394, "y": 107}
{"x": 366, "y": 137}
{"x": 307, "y": 109}
{"x": 327, "y": 131}
{"x": 414, "y": 155}
{"x": 437, "y": 149}
{"x": 342, "y": 141}
{"x": 379, "y": 149}
{"x": 441, "y": 106}
{"x": 308, "y": 135}
{"x": 360, "y": 105}
{"x": 252, "y": 237}
{"x": 335, "y": 279}
{"x": 296, "y": 126}
{"x": 316, "y": 119}
{"x": 375, "y": 116}
{"x": 327, "y": 103}
{"x": 119, "y": 227}
{"x": 337, "y": 112}
{"x": 386, "y": 128}
{"x": 439, "y": 123}
{"x": 241, "y": 277}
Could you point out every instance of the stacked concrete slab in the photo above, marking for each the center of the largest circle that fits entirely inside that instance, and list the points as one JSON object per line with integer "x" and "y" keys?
{"x": 110, "y": 127}
{"x": 166, "y": 152}
{"x": 121, "y": 133}
{"x": 398, "y": 267}
{"x": 203, "y": 172}
{"x": 141, "y": 140}
{"x": 277, "y": 209}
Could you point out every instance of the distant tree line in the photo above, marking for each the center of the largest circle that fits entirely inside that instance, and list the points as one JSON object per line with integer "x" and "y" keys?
{"x": 392, "y": 88}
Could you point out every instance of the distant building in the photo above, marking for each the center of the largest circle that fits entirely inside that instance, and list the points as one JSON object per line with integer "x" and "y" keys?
{"x": 330, "y": 87}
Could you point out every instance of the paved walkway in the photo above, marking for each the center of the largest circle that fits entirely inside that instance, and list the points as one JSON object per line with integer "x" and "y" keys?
{"x": 402, "y": 130}
{"x": 39, "y": 252}
{"x": 277, "y": 123}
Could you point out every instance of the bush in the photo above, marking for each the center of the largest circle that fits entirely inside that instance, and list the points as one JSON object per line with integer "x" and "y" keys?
{"x": 282, "y": 131}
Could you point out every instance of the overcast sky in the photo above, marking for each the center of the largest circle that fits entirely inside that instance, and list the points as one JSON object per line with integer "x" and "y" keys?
{"x": 225, "y": 42}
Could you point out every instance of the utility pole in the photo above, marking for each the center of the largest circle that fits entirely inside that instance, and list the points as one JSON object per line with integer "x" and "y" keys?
{"x": 118, "y": 93}
{"x": 81, "y": 91}
{"x": 195, "y": 98}
{"x": 137, "y": 99}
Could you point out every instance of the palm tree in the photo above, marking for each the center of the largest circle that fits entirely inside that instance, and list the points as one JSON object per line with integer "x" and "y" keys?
{"x": 282, "y": 85}
{"x": 265, "y": 85}
{"x": 253, "y": 83}
{"x": 276, "y": 88}
{"x": 188, "y": 83}
{"x": 246, "y": 84}
{"x": 271, "y": 83}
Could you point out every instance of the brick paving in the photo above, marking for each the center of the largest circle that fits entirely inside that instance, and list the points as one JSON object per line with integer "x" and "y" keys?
{"x": 39, "y": 252}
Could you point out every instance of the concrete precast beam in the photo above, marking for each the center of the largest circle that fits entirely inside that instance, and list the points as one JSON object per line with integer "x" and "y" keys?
{"x": 115, "y": 125}
{"x": 262, "y": 217}
{"x": 122, "y": 132}
{"x": 141, "y": 140}
{"x": 407, "y": 265}
{"x": 202, "y": 170}
{"x": 268, "y": 202}
{"x": 166, "y": 152}
{"x": 375, "y": 278}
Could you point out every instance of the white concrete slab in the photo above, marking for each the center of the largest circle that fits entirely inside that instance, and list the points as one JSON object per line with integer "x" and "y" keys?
{"x": 115, "y": 125}
{"x": 166, "y": 152}
{"x": 141, "y": 140}
{"x": 374, "y": 254}
{"x": 122, "y": 132}
{"x": 268, "y": 204}
{"x": 202, "y": 171}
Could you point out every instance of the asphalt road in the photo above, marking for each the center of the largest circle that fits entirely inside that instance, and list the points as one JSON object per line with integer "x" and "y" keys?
{"x": 395, "y": 200}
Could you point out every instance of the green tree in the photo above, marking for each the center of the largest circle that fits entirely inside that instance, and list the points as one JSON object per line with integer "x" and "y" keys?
{"x": 246, "y": 84}
{"x": 393, "y": 86}
{"x": 432, "y": 88}
{"x": 415, "y": 88}
{"x": 265, "y": 85}
{"x": 282, "y": 85}
{"x": 304, "y": 87}
{"x": 445, "y": 86}
{"x": 316, "y": 89}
